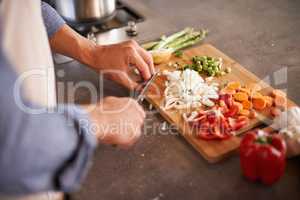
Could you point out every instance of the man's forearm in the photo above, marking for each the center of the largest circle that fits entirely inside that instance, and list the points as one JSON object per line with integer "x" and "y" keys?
{"x": 63, "y": 39}
{"x": 67, "y": 42}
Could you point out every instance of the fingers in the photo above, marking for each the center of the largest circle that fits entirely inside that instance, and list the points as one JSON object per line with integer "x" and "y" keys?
{"x": 140, "y": 64}
{"x": 147, "y": 58}
{"x": 141, "y": 59}
{"x": 123, "y": 79}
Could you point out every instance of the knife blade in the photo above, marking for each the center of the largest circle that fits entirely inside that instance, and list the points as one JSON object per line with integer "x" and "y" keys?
{"x": 147, "y": 84}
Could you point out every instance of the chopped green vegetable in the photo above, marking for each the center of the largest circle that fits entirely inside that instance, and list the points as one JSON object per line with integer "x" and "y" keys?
{"x": 178, "y": 53}
{"x": 207, "y": 65}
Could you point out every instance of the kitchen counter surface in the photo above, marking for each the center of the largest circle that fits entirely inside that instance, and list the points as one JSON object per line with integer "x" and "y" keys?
{"x": 261, "y": 35}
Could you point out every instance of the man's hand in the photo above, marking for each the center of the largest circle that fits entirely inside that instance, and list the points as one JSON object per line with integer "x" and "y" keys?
{"x": 113, "y": 60}
{"x": 117, "y": 121}
{"x": 117, "y": 61}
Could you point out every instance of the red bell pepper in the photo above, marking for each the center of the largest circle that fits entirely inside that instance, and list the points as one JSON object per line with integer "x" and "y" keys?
{"x": 262, "y": 157}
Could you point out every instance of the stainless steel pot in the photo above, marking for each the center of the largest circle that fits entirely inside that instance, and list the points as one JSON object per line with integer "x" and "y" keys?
{"x": 86, "y": 11}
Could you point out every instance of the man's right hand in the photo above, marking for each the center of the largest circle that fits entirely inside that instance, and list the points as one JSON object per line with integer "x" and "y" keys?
{"x": 115, "y": 61}
{"x": 118, "y": 121}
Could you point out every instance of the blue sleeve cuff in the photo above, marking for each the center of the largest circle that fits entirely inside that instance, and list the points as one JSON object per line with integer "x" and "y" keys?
{"x": 74, "y": 171}
{"x": 52, "y": 20}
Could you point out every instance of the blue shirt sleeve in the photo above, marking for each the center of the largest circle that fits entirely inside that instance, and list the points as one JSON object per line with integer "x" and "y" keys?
{"x": 40, "y": 152}
{"x": 52, "y": 20}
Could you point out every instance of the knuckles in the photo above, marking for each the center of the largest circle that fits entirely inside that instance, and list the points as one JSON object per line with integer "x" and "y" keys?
{"x": 130, "y": 46}
{"x": 131, "y": 43}
{"x": 129, "y": 50}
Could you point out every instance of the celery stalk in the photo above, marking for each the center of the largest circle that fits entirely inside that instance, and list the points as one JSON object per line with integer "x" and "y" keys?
{"x": 183, "y": 39}
{"x": 190, "y": 42}
{"x": 171, "y": 38}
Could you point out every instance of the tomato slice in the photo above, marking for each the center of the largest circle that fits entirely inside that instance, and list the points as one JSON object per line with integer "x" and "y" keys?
{"x": 211, "y": 118}
{"x": 227, "y": 98}
{"x": 233, "y": 110}
{"x": 224, "y": 125}
{"x": 224, "y": 129}
{"x": 214, "y": 132}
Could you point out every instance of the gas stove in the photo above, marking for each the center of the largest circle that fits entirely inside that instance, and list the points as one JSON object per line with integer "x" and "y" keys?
{"x": 124, "y": 16}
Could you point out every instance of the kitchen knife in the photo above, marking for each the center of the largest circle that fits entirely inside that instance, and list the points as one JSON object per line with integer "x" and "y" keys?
{"x": 140, "y": 97}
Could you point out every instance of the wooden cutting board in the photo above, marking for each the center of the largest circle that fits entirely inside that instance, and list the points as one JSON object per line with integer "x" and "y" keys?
{"x": 212, "y": 151}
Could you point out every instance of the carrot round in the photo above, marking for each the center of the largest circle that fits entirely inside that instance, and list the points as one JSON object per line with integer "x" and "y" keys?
{"x": 280, "y": 101}
{"x": 240, "y": 96}
{"x": 259, "y": 103}
{"x": 234, "y": 85}
{"x": 247, "y": 104}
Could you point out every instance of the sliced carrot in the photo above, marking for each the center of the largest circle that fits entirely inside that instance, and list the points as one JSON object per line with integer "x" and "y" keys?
{"x": 269, "y": 101}
{"x": 280, "y": 101}
{"x": 244, "y": 112}
{"x": 240, "y": 96}
{"x": 275, "y": 111}
{"x": 278, "y": 93}
{"x": 234, "y": 85}
{"x": 247, "y": 104}
{"x": 259, "y": 103}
